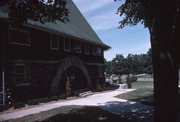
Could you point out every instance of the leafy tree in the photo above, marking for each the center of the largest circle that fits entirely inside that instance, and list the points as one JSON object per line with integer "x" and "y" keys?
{"x": 132, "y": 64}
{"x": 162, "y": 18}
{"x": 119, "y": 65}
{"x": 109, "y": 67}
{"x": 20, "y": 11}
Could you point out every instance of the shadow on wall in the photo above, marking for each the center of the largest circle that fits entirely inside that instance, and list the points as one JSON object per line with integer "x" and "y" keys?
{"x": 134, "y": 111}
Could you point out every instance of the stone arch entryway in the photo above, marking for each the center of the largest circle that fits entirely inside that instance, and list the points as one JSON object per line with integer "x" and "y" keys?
{"x": 66, "y": 64}
{"x": 73, "y": 79}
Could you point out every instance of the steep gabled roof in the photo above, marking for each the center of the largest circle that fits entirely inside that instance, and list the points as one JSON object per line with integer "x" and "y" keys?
{"x": 77, "y": 27}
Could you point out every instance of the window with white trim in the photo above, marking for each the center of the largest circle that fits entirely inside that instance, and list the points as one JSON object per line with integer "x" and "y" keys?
{"x": 54, "y": 42}
{"x": 78, "y": 47}
{"x": 87, "y": 48}
{"x": 18, "y": 36}
{"x": 96, "y": 50}
{"x": 67, "y": 44}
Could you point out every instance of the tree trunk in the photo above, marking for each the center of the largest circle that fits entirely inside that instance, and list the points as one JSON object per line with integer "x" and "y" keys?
{"x": 165, "y": 69}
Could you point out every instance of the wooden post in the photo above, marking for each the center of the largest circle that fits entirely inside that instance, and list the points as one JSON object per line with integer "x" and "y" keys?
{"x": 3, "y": 65}
{"x": 68, "y": 86}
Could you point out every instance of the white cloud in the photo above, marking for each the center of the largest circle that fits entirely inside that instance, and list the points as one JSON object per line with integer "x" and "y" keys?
{"x": 102, "y": 15}
{"x": 104, "y": 21}
{"x": 90, "y": 5}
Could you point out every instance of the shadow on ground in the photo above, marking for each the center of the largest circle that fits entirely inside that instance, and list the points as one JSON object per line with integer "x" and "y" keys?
{"x": 147, "y": 100}
{"x": 86, "y": 114}
{"x": 134, "y": 111}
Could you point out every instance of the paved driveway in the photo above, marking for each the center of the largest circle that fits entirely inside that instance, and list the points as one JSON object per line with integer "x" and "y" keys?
{"x": 106, "y": 101}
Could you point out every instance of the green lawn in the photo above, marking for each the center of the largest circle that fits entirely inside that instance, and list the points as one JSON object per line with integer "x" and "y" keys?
{"x": 73, "y": 114}
{"x": 143, "y": 92}
{"x": 142, "y": 84}
{"x": 137, "y": 94}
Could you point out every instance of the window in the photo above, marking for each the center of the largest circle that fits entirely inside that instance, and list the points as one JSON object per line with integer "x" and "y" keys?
{"x": 54, "y": 42}
{"x": 20, "y": 74}
{"x": 78, "y": 47}
{"x": 96, "y": 50}
{"x": 101, "y": 71}
{"x": 67, "y": 45}
{"x": 17, "y": 36}
{"x": 86, "y": 48}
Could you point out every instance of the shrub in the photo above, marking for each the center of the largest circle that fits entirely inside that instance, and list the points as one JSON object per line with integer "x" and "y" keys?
{"x": 129, "y": 83}
{"x": 132, "y": 79}
{"x": 44, "y": 100}
{"x": 33, "y": 102}
{"x": 3, "y": 108}
{"x": 54, "y": 98}
{"x": 107, "y": 88}
{"x": 76, "y": 93}
{"x": 62, "y": 96}
{"x": 97, "y": 87}
{"x": 18, "y": 105}
{"x": 107, "y": 84}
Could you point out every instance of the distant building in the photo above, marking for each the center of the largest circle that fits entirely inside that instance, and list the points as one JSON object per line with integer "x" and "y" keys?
{"x": 41, "y": 58}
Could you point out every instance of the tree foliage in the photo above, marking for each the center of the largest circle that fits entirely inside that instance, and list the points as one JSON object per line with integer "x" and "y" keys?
{"x": 134, "y": 12}
{"x": 20, "y": 11}
{"x": 132, "y": 64}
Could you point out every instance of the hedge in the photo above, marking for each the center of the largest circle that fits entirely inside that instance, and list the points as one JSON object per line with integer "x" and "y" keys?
{"x": 54, "y": 98}
{"x": 44, "y": 100}
{"x": 3, "y": 108}
{"x": 62, "y": 96}
{"x": 18, "y": 105}
{"x": 33, "y": 102}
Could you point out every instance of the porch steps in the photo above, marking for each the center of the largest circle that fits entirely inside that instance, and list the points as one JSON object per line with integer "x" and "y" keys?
{"x": 84, "y": 94}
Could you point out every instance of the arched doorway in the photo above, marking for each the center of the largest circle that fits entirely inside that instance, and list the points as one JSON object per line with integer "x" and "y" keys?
{"x": 70, "y": 66}
{"x": 73, "y": 79}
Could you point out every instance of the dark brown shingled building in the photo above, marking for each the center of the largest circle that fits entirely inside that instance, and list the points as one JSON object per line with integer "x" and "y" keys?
{"x": 49, "y": 59}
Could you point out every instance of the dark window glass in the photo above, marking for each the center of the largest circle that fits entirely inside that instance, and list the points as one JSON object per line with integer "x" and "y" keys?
{"x": 54, "y": 42}
{"x": 87, "y": 49}
{"x": 67, "y": 44}
{"x": 96, "y": 50}
{"x": 78, "y": 47}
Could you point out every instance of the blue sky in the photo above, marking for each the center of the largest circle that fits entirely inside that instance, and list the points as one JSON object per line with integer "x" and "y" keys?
{"x": 101, "y": 15}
